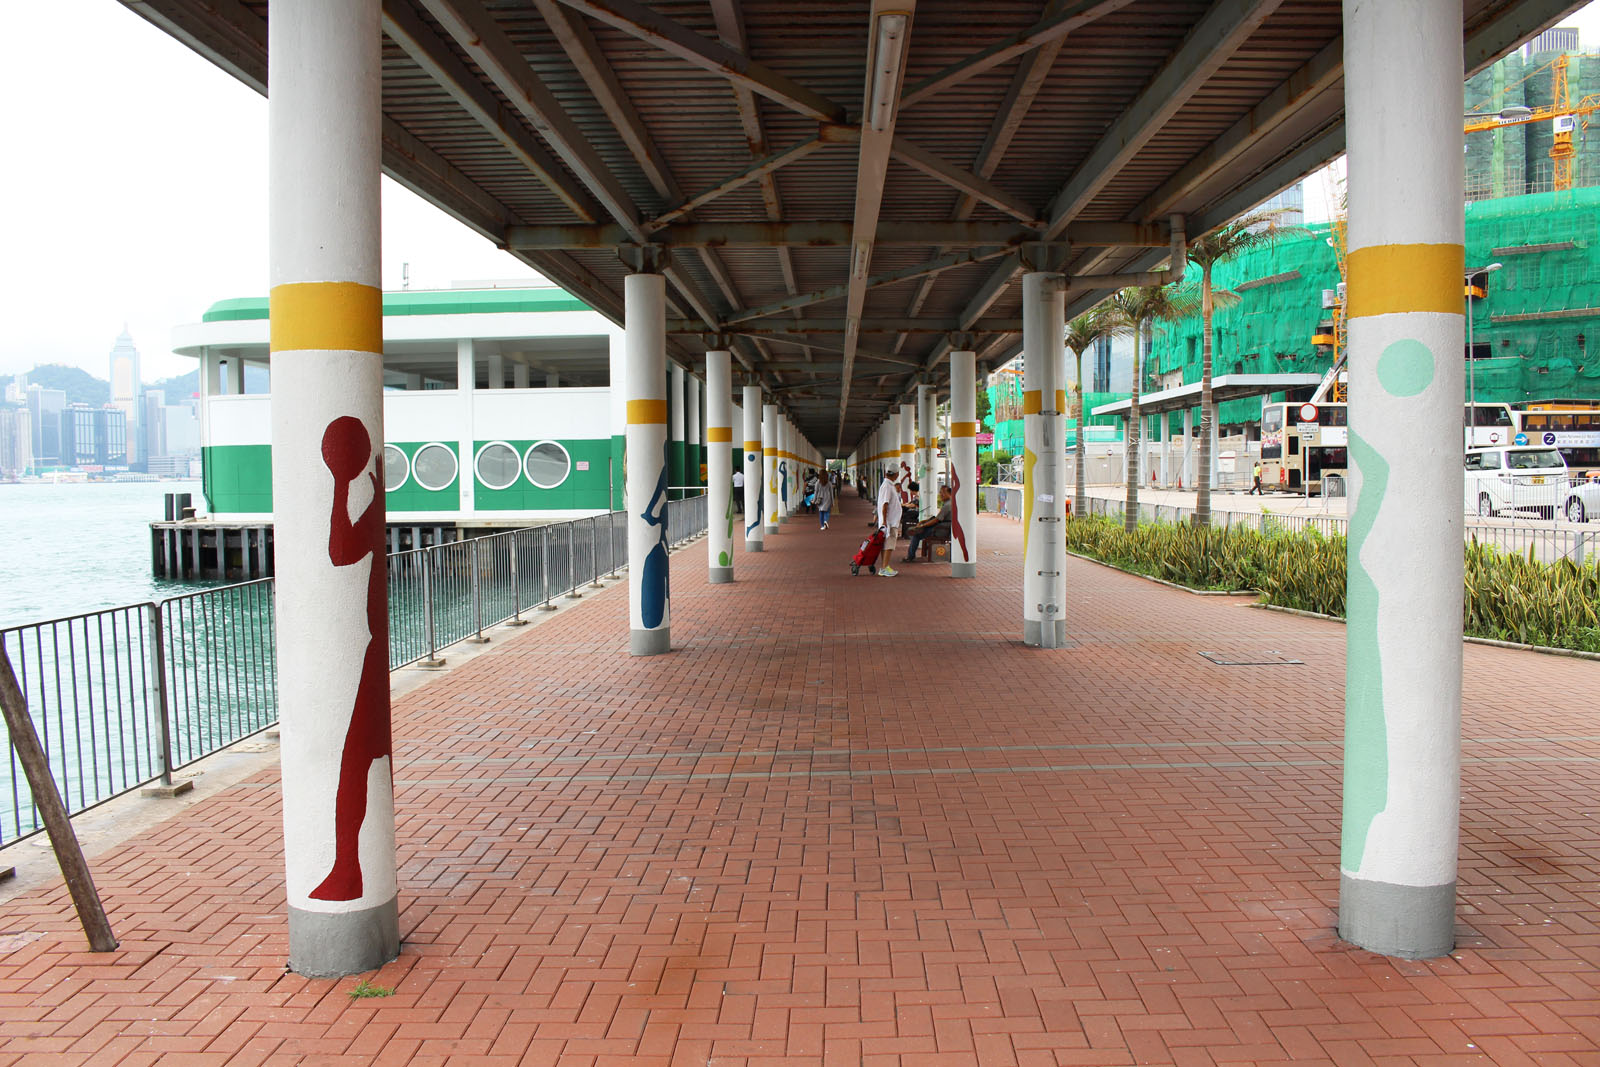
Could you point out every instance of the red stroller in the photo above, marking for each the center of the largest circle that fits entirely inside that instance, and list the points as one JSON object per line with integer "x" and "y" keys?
{"x": 867, "y": 555}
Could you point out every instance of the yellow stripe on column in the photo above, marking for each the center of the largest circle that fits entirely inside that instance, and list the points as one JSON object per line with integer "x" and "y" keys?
{"x": 1392, "y": 279}
{"x": 752, "y": 446}
{"x": 325, "y": 316}
{"x": 963, "y": 429}
{"x": 773, "y": 452}
{"x": 646, "y": 412}
{"x": 719, "y": 434}
{"x": 1030, "y": 401}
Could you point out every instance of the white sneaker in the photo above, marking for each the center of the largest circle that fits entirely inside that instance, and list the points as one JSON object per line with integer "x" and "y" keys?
{"x": 887, "y": 572}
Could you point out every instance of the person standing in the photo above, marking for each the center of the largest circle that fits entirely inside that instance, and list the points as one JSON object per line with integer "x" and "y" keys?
{"x": 738, "y": 490}
{"x": 824, "y": 499}
{"x": 888, "y": 517}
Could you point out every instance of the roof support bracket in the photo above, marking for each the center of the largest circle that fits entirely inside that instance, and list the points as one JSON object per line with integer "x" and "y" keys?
{"x": 645, "y": 258}
{"x": 1048, "y": 256}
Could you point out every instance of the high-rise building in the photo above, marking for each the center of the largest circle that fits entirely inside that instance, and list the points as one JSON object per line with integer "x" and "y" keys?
{"x": 45, "y": 408}
{"x": 127, "y": 391}
{"x": 153, "y": 425}
{"x": 16, "y": 441}
{"x": 95, "y": 438}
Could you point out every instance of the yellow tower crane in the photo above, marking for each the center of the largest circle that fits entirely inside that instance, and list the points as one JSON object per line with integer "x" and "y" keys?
{"x": 1561, "y": 112}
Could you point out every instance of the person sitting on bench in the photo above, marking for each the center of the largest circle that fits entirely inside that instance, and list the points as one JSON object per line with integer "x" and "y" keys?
{"x": 934, "y": 528}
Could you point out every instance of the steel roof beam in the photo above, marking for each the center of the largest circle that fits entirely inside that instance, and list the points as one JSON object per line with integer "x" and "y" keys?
{"x": 638, "y": 20}
{"x": 760, "y": 169}
{"x": 836, "y": 325}
{"x": 872, "y": 166}
{"x": 429, "y": 52}
{"x": 818, "y": 234}
{"x": 480, "y": 36}
{"x": 973, "y": 185}
{"x": 1212, "y": 42}
{"x": 1046, "y": 30}
{"x": 579, "y": 43}
{"x": 836, "y": 292}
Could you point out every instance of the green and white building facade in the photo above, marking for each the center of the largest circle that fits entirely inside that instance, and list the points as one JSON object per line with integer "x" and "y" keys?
{"x": 498, "y": 407}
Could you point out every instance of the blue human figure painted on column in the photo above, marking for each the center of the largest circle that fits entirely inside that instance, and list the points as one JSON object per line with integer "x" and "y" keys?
{"x": 755, "y": 512}
{"x": 783, "y": 483}
{"x": 653, "y": 591}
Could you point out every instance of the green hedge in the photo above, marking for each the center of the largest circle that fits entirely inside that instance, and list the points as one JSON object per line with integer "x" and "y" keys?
{"x": 1507, "y": 597}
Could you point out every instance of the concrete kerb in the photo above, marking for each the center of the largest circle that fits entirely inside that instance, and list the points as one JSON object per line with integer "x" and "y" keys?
{"x": 1548, "y": 650}
{"x": 106, "y": 826}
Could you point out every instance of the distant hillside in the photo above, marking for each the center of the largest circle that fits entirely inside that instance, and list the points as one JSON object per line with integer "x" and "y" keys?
{"x": 80, "y": 386}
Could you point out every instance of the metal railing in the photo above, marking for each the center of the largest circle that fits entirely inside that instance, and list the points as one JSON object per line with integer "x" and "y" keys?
{"x": 128, "y": 695}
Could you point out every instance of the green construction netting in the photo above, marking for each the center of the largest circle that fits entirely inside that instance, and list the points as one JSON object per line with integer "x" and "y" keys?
{"x": 1530, "y": 332}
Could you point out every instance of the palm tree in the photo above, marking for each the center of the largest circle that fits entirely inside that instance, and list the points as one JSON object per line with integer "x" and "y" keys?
{"x": 1082, "y": 332}
{"x": 1255, "y": 230}
{"x": 1135, "y": 308}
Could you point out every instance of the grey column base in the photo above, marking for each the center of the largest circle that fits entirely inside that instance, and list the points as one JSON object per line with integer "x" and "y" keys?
{"x": 1033, "y": 632}
{"x": 963, "y": 570}
{"x": 650, "y": 642}
{"x": 333, "y": 944}
{"x": 1408, "y": 921}
{"x": 720, "y": 575}
{"x": 754, "y": 546}
{"x": 772, "y": 527}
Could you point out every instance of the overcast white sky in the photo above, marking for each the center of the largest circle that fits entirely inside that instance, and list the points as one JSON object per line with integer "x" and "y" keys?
{"x": 134, "y": 191}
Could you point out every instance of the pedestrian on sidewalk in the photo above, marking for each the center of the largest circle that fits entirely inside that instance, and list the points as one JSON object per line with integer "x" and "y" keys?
{"x": 824, "y": 500}
{"x": 1255, "y": 475}
{"x": 738, "y": 491}
{"x": 888, "y": 517}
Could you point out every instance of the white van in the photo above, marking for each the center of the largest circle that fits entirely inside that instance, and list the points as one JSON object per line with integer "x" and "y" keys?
{"x": 1526, "y": 478}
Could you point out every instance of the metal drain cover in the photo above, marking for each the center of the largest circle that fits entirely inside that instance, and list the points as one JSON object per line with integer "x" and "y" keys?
{"x": 1269, "y": 658}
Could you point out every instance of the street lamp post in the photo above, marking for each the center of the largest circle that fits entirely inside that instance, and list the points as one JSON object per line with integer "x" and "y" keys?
{"x": 1472, "y": 356}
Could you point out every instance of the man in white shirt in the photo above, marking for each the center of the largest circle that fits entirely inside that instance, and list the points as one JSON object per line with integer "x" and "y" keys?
{"x": 738, "y": 490}
{"x": 888, "y": 516}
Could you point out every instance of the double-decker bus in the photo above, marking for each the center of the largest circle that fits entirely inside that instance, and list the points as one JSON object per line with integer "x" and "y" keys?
{"x": 1571, "y": 426}
{"x": 1488, "y": 424}
{"x": 1302, "y": 444}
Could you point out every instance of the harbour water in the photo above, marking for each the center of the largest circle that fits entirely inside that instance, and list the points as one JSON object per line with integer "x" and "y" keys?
{"x": 72, "y": 548}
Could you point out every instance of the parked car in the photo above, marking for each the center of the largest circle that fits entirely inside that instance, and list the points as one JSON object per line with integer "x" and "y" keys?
{"x": 1583, "y": 501}
{"x": 1526, "y": 478}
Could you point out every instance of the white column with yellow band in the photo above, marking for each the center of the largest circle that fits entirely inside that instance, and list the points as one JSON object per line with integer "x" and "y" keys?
{"x": 755, "y": 529}
{"x": 963, "y": 465}
{"x": 719, "y": 465}
{"x": 908, "y": 449}
{"x": 925, "y": 436}
{"x": 645, "y": 378}
{"x": 771, "y": 498}
{"x": 326, "y": 329}
{"x": 1402, "y": 760}
{"x": 1044, "y": 508}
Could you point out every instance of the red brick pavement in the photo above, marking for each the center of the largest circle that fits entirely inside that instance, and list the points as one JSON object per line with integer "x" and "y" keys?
{"x": 853, "y": 820}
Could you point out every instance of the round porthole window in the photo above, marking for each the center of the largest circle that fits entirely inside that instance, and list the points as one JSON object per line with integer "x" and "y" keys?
{"x": 498, "y": 465}
{"x": 434, "y": 466}
{"x": 396, "y": 468}
{"x": 547, "y": 464}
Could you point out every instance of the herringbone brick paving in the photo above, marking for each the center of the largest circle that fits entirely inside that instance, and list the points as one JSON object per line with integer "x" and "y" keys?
{"x": 853, "y": 820}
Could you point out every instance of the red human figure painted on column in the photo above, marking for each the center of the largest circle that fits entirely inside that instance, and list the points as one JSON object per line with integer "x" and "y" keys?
{"x": 955, "y": 515}
{"x": 347, "y": 451}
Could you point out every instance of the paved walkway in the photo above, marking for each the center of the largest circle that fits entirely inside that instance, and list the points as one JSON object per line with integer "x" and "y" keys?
{"x": 853, "y": 820}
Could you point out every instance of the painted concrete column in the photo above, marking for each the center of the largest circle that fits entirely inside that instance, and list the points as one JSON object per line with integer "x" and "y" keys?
{"x": 326, "y": 328}
{"x": 1163, "y": 434}
{"x": 925, "y": 437}
{"x": 1402, "y": 770}
{"x": 552, "y": 379}
{"x": 691, "y": 430}
{"x": 1044, "y": 582}
{"x": 719, "y": 465}
{"x": 963, "y": 449}
{"x": 466, "y": 389}
{"x": 496, "y": 365}
{"x": 236, "y": 376}
{"x": 771, "y": 499}
{"x": 649, "y": 598}
{"x": 675, "y": 443}
{"x": 908, "y": 446}
{"x": 755, "y": 532}
{"x": 519, "y": 375}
